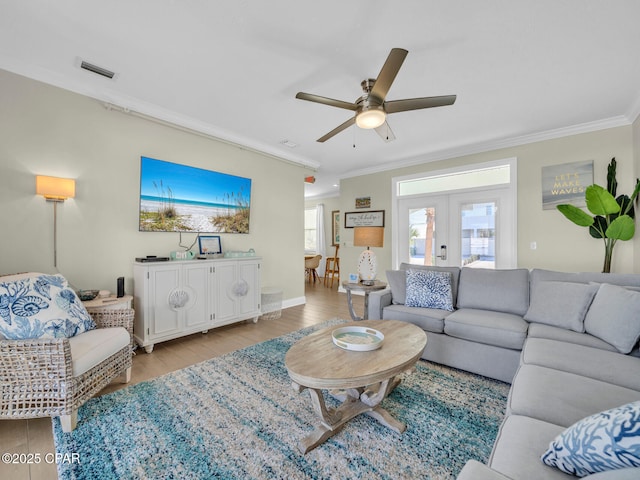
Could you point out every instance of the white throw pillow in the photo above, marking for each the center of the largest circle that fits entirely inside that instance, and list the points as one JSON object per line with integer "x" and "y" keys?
{"x": 41, "y": 306}
{"x": 608, "y": 440}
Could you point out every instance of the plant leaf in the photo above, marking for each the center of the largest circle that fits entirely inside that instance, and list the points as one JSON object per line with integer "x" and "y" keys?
{"x": 612, "y": 183}
{"x": 576, "y": 215}
{"x": 622, "y": 228}
{"x": 626, "y": 206}
{"x": 599, "y": 227}
{"x": 600, "y": 202}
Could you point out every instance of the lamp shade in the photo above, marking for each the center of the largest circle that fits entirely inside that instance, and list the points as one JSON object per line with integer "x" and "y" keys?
{"x": 371, "y": 118}
{"x": 368, "y": 236}
{"x": 55, "y": 188}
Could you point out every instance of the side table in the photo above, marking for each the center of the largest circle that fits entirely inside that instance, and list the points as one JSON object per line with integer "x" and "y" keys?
{"x": 100, "y": 304}
{"x": 359, "y": 287}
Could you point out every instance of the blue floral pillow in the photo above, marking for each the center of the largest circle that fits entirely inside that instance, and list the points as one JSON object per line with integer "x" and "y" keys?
{"x": 608, "y": 440}
{"x": 429, "y": 289}
{"x": 41, "y": 306}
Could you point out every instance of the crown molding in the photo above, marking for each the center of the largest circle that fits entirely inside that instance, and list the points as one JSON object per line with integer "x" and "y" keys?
{"x": 100, "y": 91}
{"x": 634, "y": 110}
{"x": 482, "y": 147}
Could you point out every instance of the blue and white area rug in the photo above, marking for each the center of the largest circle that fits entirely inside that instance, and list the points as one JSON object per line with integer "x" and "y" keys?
{"x": 237, "y": 417}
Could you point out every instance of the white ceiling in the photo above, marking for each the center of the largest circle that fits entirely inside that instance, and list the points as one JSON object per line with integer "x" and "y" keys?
{"x": 522, "y": 70}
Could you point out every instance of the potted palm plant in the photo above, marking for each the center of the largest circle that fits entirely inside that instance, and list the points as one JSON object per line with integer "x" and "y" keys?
{"x": 612, "y": 218}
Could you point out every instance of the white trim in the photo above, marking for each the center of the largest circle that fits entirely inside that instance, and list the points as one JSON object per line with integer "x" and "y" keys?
{"x": 455, "y": 152}
{"x": 100, "y": 90}
{"x": 294, "y": 302}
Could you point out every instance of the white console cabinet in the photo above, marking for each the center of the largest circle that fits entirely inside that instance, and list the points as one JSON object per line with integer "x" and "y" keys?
{"x": 178, "y": 298}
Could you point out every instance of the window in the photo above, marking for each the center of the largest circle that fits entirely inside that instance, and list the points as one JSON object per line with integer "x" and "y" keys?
{"x": 310, "y": 230}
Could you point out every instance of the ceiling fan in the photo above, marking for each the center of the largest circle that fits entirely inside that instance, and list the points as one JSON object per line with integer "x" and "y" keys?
{"x": 371, "y": 109}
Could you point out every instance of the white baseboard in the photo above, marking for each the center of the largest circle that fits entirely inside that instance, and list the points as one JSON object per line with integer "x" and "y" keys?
{"x": 292, "y": 302}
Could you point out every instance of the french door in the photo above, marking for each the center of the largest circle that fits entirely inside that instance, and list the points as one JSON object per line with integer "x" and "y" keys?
{"x": 472, "y": 229}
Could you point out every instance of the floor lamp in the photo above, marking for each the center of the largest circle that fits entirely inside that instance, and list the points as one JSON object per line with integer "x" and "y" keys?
{"x": 368, "y": 263}
{"x": 55, "y": 190}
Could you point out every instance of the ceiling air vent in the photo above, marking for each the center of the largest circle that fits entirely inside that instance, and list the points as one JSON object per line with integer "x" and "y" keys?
{"x": 95, "y": 69}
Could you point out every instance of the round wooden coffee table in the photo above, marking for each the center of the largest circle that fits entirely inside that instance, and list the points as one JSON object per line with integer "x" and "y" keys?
{"x": 363, "y": 379}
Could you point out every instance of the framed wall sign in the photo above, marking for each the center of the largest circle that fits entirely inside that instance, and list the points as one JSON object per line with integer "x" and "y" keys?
{"x": 335, "y": 227}
{"x": 372, "y": 218}
{"x": 566, "y": 184}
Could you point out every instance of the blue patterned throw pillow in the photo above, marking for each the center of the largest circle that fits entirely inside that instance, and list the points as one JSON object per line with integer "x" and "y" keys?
{"x": 41, "y": 306}
{"x": 429, "y": 289}
{"x": 608, "y": 440}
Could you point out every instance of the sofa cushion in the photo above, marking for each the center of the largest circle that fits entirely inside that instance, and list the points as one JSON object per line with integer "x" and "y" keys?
{"x": 498, "y": 290}
{"x": 626, "y": 279}
{"x": 492, "y": 328}
{"x": 429, "y": 289}
{"x": 561, "y": 304}
{"x": 429, "y": 319}
{"x": 621, "y": 474}
{"x": 516, "y": 452}
{"x": 398, "y": 284}
{"x": 41, "y": 306}
{"x": 608, "y": 440}
{"x": 613, "y": 317}
{"x": 610, "y": 367}
{"x": 562, "y": 398}
{"x": 454, "y": 271}
{"x": 474, "y": 470}
{"x": 92, "y": 348}
{"x": 540, "y": 330}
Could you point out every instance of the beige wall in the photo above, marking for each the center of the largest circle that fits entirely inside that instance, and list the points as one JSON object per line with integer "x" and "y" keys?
{"x": 561, "y": 245}
{"x": 49, "y": 131}
{"x": 636, "y": 155}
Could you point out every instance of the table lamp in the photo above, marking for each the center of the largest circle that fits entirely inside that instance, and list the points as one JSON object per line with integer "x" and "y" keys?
{"x": 367, "y": 263}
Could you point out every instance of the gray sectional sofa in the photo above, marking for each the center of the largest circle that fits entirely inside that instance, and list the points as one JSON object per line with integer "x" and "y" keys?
{"x": 567, "y": 342}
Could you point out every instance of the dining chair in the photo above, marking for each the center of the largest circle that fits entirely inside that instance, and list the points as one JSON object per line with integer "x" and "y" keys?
{"x": 332, "y": 268}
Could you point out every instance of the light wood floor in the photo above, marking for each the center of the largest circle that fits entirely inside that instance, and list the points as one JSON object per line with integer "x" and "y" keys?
{"x": 35, "y": 436}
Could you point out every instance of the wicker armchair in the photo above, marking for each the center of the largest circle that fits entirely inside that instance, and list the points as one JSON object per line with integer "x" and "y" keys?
{"x": 40, "y": 378}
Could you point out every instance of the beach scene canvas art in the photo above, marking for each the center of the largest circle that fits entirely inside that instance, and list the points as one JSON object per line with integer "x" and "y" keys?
{"x": 180, "y": 198}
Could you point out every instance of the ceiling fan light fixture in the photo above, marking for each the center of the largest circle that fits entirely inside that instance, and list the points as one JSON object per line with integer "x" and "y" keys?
{"x": 371, "y": 118}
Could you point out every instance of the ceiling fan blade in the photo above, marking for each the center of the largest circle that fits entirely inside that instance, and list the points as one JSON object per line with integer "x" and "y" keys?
{"x": 388, "y": 73}
{"x": 326, "y": 101}
{"x": 337, "y": 130}
{"x": 385, "y": 132}
{"x": 396, "y": 106}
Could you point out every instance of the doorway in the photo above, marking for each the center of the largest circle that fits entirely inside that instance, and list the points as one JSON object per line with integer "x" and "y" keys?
{"x": 469, "y": 222}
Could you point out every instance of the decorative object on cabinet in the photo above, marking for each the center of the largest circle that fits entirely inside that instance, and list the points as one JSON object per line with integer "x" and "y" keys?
{"x": 209, "y": 244}
{"x": 180, "y": 198}
{"x": 372, "y": 218}
{"x": 368, "y": 263}
{"x": 240, "y": 254}
{"x": 55, "y": 190}
{"x": 185, "y": 297}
